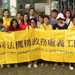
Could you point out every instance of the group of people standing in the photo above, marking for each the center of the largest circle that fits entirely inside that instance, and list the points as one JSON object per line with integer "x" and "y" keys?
{"x": 57, "y": 21}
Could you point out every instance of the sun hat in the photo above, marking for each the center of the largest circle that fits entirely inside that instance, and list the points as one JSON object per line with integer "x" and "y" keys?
{"x": 60, "y": 16}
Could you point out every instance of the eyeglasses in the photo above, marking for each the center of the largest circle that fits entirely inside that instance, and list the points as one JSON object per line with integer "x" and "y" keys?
{"x": 32, "y": 22}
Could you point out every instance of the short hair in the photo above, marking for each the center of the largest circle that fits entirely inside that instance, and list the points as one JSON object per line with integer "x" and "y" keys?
{"x": 46, "y": 16}
{"x": 72, "y": 17}
{"x": 1, "y": 20}
{"x": 4, "y": 11}
{"x": 34, "y": 19}
{"x": 54, "y": 10}
{"x": 32, "y": 9}
{"x": 41, "y": 15}
{"x": 19, "y": 13}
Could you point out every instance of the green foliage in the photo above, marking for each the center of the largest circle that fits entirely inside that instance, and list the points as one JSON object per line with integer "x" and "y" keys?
{"x": 0, "y": 12}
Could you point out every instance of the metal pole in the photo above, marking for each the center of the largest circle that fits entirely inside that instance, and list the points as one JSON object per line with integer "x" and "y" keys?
{"x": 49, "y": 3}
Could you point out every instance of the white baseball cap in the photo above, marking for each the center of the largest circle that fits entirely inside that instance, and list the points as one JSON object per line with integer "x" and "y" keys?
{"x": 60, "y": 16}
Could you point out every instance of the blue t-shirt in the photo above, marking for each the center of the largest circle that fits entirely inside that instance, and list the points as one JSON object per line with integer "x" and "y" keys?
{"x": 53, "y": 22}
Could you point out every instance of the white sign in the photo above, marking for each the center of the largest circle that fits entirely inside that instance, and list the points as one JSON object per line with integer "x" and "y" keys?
{"x": 47, "y": 9}
{"x": 13, "y": 7}
{"x": 5, "y": 1}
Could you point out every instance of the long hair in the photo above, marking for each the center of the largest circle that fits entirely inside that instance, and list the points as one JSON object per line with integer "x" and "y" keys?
{"x": 23, "y": 17}
{"x": 69, "y": 12}
{"x": 11, "y": 24}
{"x": 72, "y": 17}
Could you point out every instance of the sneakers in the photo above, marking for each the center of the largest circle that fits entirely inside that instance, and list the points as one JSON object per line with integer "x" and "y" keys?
{"x": 46, "y": 64}
{"x": 56, "y": 64}
{"x": 34, "y": 65}
{"x": 29, "y": 65}
{"x": 71, "y": 67}
{"x": 2, "y": 66}
{"x": 42, "y": 64}
{"x": 63, "y": 65}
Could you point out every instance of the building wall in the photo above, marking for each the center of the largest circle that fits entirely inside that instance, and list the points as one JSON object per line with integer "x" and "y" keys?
{"x": 40, "y": 7}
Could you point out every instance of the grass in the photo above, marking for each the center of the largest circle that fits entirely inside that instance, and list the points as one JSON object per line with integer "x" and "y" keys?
{"x": 23, "y": 70}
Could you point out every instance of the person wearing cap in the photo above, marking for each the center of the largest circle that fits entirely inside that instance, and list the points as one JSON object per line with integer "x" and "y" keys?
{"x": 60, "y": 25}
